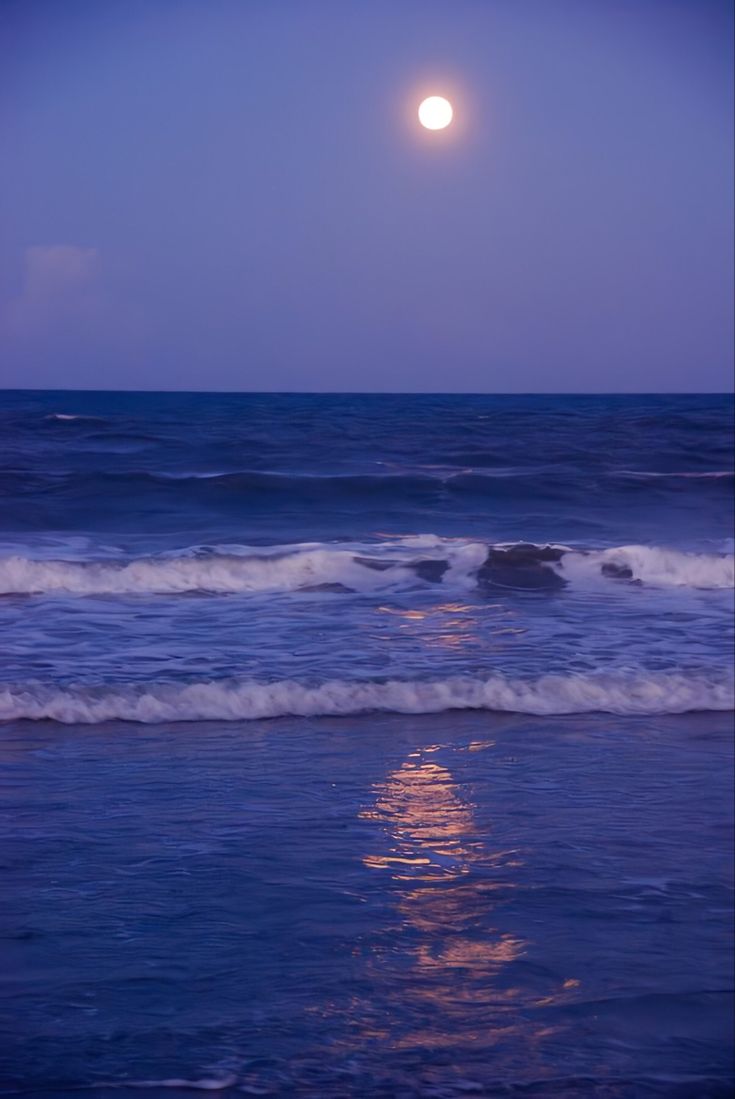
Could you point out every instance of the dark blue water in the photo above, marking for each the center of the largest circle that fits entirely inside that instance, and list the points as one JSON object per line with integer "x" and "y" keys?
{"x": 254, "y": 839}
{"x": 289, "y": 467}
{"x": 196, "y": 556}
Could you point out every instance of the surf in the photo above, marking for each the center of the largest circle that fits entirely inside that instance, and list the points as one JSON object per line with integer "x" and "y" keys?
{"x": 233, "y": 700}
{"x": 393, "y": 565}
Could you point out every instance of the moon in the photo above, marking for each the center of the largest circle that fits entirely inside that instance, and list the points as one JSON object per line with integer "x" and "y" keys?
{"x": 435, "y": 113}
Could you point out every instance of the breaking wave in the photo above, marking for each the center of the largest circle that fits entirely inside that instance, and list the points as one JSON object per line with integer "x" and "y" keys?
{"x": 656, "y": 566}
{"x": 233, "y": 700}
{"x": 69, "y": 417}
{"x": 398, "y": 565}
{"x": 242, "y": 569}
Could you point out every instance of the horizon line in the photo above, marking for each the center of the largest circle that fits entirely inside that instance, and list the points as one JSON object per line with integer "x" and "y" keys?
{"x": 384, "y": 392}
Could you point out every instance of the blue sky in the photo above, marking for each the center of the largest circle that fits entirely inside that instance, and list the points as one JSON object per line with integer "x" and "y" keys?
{"x": 235, "y": 194}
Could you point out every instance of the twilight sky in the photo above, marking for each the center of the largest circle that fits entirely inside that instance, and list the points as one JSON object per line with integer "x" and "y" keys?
{"x": 235, "y": 194}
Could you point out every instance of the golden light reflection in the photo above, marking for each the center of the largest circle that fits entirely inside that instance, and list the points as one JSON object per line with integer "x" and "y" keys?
{"x": 437, "y": 628}
{"x": 458, "y": 983}
{"x": 454, "y": 625}
{"x": 419, "y": 801}
{"x": 434, "y": 846}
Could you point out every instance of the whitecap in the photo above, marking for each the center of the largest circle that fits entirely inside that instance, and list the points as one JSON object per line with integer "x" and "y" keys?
{"x": 232, "y": 700}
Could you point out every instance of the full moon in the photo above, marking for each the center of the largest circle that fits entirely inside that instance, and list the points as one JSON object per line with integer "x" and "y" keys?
{"x": 435, "y": 112}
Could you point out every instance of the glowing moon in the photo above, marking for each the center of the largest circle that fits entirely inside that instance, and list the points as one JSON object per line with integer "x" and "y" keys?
{"x": 435, "y": 113}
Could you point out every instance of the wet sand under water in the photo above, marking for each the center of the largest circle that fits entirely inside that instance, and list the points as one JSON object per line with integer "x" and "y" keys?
{"x": 462, "y": 904}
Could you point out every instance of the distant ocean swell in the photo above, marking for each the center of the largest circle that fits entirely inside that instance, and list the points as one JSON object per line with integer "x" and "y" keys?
{"x": 232, "y": 700}
{"x": 473, "y": 479}
{"x": 399, "y": 565}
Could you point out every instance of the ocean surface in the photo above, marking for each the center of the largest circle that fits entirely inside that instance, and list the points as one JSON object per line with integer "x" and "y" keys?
{"x": 366, "y": 745}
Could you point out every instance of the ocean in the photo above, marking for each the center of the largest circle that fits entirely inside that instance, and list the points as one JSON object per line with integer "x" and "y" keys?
{"x": 370, "y": 745}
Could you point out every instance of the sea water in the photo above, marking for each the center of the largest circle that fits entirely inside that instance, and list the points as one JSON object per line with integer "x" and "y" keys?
{"x": 341, "y": 749}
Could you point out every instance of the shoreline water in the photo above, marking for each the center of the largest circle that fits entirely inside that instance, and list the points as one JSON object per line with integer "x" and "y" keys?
{"x": 384, "y": 905}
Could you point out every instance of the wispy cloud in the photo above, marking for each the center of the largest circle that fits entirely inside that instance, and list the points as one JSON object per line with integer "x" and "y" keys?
{"x": 58, "y": 271}
{"x": 65, "y": 311}
{"x": 59, "y": 288}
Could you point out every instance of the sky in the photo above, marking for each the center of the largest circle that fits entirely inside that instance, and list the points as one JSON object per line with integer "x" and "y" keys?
{"x": 237, "y": 195}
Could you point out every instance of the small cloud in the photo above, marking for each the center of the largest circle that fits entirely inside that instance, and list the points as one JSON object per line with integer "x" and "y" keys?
{"x": 59, "y": 294}
{"x": 52, "y": 270}
{"x": 66, "y": 312}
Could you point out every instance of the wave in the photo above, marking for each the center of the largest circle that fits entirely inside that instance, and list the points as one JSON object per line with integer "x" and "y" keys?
{"x": 69, "y": 417}
{"x": 244, "y": 569}
{"x": 206, "y": 1083}
{"x": 402, "y": 564}
{"x": 656, "y": 566}
{"x": 645, "y": 474}
{"x": 233, "y": 700}
{"x": 62, "y": 497}
{"x": 228, "y": 487}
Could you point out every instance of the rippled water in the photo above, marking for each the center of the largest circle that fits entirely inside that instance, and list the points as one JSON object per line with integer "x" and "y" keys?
{"x": 374, "y": 892}
{"x": 390, "y": 906}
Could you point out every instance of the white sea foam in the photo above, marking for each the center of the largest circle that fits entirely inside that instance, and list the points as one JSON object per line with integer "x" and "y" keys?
{"x": 373, "y": 567}
{"x": 233, "y": 700}
{"x": 656, "y": 566}
{"x": 68, "y": 416}
{"x": 241, "y": 569}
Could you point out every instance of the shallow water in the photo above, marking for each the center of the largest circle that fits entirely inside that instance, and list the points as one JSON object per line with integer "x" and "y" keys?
{"x": 383, "y": 906}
